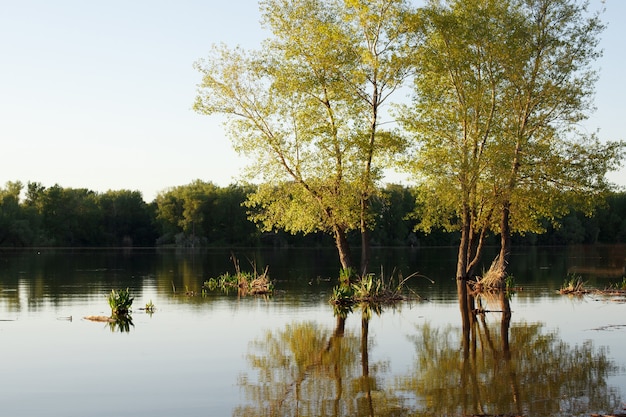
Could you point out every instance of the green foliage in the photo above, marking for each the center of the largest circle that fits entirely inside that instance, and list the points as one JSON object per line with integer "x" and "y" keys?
{"x": 346, "y": 276}
{"x": 500, "y": 89}
{"x": 149, "y": 308}
{"x": 246, "y": 283}
{"x": 370, "y": 291}
{"x": 201, "y": 214}
{"x": 509, "y": 283}
{"x": 120, "y": 302}
{"x": 306, "y": 111}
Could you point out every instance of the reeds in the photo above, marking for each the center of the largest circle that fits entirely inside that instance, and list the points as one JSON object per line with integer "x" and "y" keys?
{"x": 246, "y": 283}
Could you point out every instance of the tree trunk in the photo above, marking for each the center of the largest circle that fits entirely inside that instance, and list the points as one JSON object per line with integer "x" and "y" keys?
{"x": 365, "y": 250}
{"x": 464, "y": 245}
{"x": 341, "y": 241}
{"x": 505, "y": 237}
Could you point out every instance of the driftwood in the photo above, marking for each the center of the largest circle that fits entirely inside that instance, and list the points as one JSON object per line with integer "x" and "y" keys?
{"x": 104, "y": 319}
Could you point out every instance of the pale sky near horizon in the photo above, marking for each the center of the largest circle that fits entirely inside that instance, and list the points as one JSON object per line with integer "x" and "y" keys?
{"x": 99, "y": 95}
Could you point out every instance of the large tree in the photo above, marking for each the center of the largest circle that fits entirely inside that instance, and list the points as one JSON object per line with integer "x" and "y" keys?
{"x": 307, "y": 111}
{"x": 500, "y": 89}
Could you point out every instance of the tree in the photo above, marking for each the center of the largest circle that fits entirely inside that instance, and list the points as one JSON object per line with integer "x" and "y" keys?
{"x": 126, "y": 219}
{"x": 500, "y": 88}
{"x": 184, "y": 209}
{"x": 548, "y": 167}
{"x": 15, "y": 229}
{"x": 65, "y": 216}
{"x": 203, "y": 213}
{"x": 307, "y": 111}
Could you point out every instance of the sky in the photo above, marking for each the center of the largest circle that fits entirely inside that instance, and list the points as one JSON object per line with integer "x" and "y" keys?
{"x": 99, "y": 95}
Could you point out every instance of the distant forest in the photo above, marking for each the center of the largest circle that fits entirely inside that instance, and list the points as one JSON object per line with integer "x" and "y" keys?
{"x": 203, "y": 214}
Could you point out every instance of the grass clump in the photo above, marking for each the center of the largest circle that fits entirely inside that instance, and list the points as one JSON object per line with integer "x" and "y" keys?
{"x": 574, "y": 284}
{"x": 246, "y": 283}
{"x": 120, "y": 302}
{"x": 369, "y": 289}
{"x": 619, "y": 286}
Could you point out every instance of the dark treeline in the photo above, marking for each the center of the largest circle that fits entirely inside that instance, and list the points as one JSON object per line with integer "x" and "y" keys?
{"x": 203, "y": 214}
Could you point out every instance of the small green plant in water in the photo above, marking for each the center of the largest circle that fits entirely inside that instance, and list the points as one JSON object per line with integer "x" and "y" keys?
{"x": 342, "y": 295}
{"x": 120, "y": 302}
{"x": 346, "y": 276}
{"x": 509, "y": 283}
{"x": 149, "y": 307}
{"x": 573, "y": 285}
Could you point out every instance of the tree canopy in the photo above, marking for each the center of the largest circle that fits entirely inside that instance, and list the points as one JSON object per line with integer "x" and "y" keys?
{"x": 307, "y": 111}
{"x": 500, "y": 90}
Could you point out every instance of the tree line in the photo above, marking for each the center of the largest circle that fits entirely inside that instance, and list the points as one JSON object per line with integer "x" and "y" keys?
{"x": 202, "y": 214}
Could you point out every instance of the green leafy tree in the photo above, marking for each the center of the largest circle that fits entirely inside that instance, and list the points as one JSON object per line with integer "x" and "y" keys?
{"x": 182, "y": 209}
{"x": 127, "y": 219}
{"x": 67, "y": 216}
{"x": 500, "y": 88}
{"x": 15, "y": 228}
{"x": 203, "y": 213}
{"x": 307, "y": 111}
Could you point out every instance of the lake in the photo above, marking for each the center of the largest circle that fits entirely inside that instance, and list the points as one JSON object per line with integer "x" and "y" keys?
{"x": 218, "y": 354}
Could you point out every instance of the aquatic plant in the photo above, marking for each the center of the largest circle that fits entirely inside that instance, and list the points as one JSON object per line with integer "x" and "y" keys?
{"x": 620, "y": 286}
{"x": 246, "y": 283}
{"x": 574, "y": 284}
{"x": 346, "y": 276}
{"x": 371, "y": 289}
{"x": 149, "y": 308}
{"x": 120, "y": 302}
{"x": 509, "y": 282}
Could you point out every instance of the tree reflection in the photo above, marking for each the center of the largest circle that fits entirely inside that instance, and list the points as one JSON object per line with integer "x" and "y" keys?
{"x": 503, "y": 369}
{"x": 306, "y": 370}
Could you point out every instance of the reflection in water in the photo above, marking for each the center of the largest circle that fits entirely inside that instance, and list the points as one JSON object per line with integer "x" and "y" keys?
{"x": 504, "y": 369}
{"x": 121, "y": 324}
{"x": 310, "y": 371}
{"x": 482, "y": 368}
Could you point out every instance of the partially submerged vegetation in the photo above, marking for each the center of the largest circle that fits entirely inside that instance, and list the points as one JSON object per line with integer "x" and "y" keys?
{"x": 121, "y": 303}
{"x": 245, "y": 282}
{"x": 575, "y": 285}
{"x": 370, "y": 290}
{"x": 494, "y": 279}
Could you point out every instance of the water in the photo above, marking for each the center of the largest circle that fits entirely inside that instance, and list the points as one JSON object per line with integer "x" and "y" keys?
{"x": 223, "y": 355}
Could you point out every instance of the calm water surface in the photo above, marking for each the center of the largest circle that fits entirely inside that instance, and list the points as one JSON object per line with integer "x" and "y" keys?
{"x": 223, "y": 355}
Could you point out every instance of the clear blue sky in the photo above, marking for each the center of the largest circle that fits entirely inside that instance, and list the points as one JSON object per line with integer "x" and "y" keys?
{"x": 99, "y": 94}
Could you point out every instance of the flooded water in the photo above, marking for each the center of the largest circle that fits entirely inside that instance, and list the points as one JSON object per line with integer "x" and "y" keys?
{"x": 223, "y": 355}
